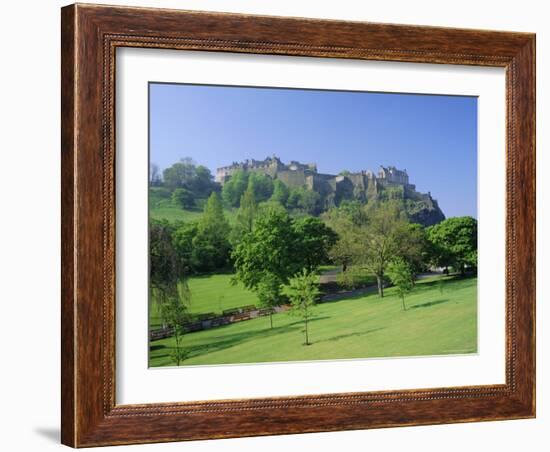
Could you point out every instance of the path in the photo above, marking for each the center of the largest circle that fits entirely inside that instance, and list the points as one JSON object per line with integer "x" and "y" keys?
{"x": 330, "y": 276}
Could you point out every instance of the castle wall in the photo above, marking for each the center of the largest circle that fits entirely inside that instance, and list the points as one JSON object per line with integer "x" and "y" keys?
{"x": 292, "y": 179}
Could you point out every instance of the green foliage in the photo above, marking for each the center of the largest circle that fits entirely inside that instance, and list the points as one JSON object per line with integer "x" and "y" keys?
{"x": 269, "y": 291}
{"x": 202, "y": 183}
{"x": 211, "y": 247}
{"x": 268, "y": 249}
{"x": 315, "y": 239}
{"x": 234, "y": 188}
{"x": 302, "y": 199}
{"x": 166, "y": 269}
{"x": 261, "y": 186}
{"x": 174, "y": 314}
{"x": 180, "y": 174}
{"x": 392, "y": 193}
{"x": 280, "y": 192}
{"x": 245, "y": 216}
{"x": 402, "y": 277}
{"x": 351, "y": 210}
{"x": 183, "y": 198}
{"x": 303, "y": 291}
{"x": 454, "y": 242}
{"x": 183, "y": 243}
{"x": 167, "y": 280}
{"x": 378, "y": 235}
{"x": 185, "y": 174}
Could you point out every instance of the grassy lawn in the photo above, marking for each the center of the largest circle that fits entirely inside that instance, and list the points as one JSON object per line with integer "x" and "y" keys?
{"x": 439, "y": 320}
{"x": 212, "y": 293}
{"x": 167, "y": 211}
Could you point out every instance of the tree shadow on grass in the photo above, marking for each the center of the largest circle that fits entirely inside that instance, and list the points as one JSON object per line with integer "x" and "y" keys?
{"x": 430, "y": 304}
{"x": 225, "y": 341}
{"x": 345, "y": 336}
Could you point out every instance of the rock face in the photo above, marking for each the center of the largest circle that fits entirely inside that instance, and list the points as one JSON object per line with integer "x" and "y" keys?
{"x": 389, "y": 183}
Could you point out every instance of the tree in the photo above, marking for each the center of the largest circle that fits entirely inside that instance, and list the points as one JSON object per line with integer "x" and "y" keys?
{"x": 344, "y": 250}
{"x": 455, "y": 242}
{"x": 211, "y": 247}
{"x": 202, "y": 182}
{"x": 402, "y": 277}
{"x": 234, "y": 188}
{"x": 269, "y": 293}
{"x": 183, "y": 244}
{"x": 269, "y": 248}
{"x": 280, "y": 192}
{"x": 180, "y": 174}
{"x": 303, "y": 292}
{"x": 174, "y": 314}
{"x": 375, "y": 237}
{"x": 165, "y": 269}
{"x": 303, "y": 199}
{"x": 315, "y": 239}
{"x": 385, "y": 236}
{"x": 154, "y": 175}
{"x": 183, "y": 198}
{"x": 261, "y": 186}
{"x": 245, "y": 216}
{"x": 168, "y": 283}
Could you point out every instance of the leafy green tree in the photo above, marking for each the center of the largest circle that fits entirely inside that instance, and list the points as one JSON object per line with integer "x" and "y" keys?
{"x": 211, "y": 247}
{"x": 248, "y": 211}
{"x": 315, "y": 239}
{"x": 402, "y": 277}
{"x": 180, "y": 174}
{"x": 268, "y": 249}
{"x": 183, "y": 198}
{"x": 174, "y": 314}
{"x": 269, "y": 291}
{"x": 165, "y": 269}
{"x": 455, "y": 240}
{"x": 303, "y": 291}
{"x": 261, "y": 186}
{"x": 234, "y": 188}
{"x": 380, "y": 234}
{"x": 168, "y": 284}
{"x": 304, "y": 200}
{"x": 280, "y": 192}
{"x": 386, "y": 236}
{"x": 183, "y": 244}
{"x": 344, "y": 251}
{"x": 202, "y": 183}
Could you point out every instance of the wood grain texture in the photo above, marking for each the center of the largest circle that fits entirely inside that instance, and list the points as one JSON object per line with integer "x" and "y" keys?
{"x": 90, "y": 36}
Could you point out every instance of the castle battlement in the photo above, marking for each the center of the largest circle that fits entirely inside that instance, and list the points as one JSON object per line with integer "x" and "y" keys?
{"x": 362, "y": 185}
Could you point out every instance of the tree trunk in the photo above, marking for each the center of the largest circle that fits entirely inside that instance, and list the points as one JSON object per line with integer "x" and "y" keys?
{"x": 380, "y": 284}
{"x": 403, "y": 302}
{"x": 271, "y": 319}
{"x": 307, "y": 338}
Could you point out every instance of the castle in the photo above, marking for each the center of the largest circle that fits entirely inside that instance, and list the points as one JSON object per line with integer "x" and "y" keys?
{"x": 362, "y": 185}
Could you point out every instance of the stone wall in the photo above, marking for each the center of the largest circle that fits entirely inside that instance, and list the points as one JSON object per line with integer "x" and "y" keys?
{"x": 229, "y": 316}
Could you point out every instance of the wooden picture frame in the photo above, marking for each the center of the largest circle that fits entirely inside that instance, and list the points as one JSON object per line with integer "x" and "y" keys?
{"x": 90, "y": 36}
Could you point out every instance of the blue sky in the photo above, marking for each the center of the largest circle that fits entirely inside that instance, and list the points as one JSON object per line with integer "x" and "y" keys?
{"x": 433, "y": 137}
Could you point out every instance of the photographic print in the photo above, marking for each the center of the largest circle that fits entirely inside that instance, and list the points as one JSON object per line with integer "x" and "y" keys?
{"x": 300, "y": 224}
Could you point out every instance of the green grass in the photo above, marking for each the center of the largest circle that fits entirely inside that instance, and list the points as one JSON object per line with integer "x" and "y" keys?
{"x": 437, "y": 322}
{"x": 167, "y": 211}
{"x": 212, "y": 293}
